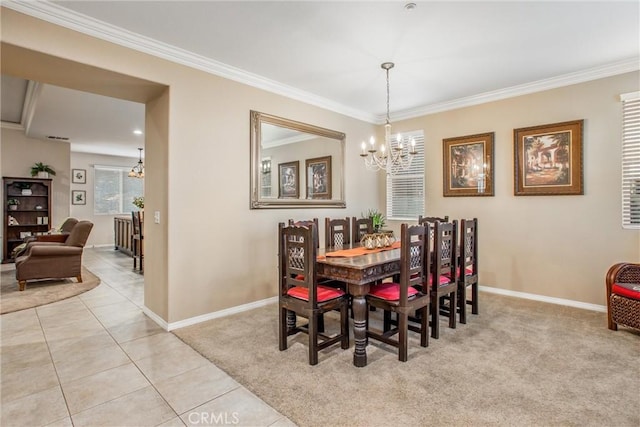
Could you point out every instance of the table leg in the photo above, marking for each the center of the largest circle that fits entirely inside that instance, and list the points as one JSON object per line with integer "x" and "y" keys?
{"x": 359, "y": 307}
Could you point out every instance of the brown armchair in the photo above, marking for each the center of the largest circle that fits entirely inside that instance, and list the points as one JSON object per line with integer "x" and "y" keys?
{"x": 52, "y": 260}
{"x": 623, "y": 295}
{"x": 54, "y": 235}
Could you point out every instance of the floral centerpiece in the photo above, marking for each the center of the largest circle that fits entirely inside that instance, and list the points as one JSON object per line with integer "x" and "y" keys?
{"x": 138, "y": 202}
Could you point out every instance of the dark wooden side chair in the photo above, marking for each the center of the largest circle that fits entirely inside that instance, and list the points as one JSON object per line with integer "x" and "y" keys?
{"x": 404, "y": 297}
{"x": 337, "y": 232}
{"x": 468, "y": 267}
{"x": 300, "y": 293}
{"x": 360, "y": 227}
{"x": 443, "y": 278}
{"x": 432, "y": 219}
{"x": 137, "y": 237}
{"x": 623, "y": 295}
{"x": 307, "y": 223}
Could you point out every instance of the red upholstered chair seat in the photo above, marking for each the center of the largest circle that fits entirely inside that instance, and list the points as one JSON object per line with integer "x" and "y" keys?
{"x": 629, "y": 290}
{"x": 390, "y": 291}
{"x": 324, "y": 293}
{"x": 444, "y": 279}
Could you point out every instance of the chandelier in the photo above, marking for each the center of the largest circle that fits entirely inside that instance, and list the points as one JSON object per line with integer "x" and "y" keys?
{"x": 395, "y": 154}
{"x": 137, "y": 171}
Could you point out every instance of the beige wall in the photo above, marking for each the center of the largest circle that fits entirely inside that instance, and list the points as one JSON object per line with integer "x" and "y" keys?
{"x": 211, "y": 252}
{"x": 557, "y": 246}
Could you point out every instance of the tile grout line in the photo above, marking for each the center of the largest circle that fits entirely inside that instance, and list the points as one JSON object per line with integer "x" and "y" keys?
{"x": 182, "y": 373}
{"x": 128, "y": 357}
{"x": 55, "y": 369}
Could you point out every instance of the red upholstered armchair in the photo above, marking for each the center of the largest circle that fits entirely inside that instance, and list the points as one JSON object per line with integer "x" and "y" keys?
{"x": 623, "y": 295}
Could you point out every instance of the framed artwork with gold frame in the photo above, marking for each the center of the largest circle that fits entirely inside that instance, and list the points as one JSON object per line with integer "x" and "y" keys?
{"x": 548, "y": 159}
{"x": 468, "y": 165}
{"x": 318, "y": 177}
{"x": 289, "y": 179}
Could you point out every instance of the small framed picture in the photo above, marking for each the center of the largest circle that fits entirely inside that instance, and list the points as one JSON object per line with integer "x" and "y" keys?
{"x": 548, "y": 159}
{"x": 78, "y": 176}
{"x": 468, "y": 165}
{"x": 78, "y": 197}
{"x": 319, "y": 178}
{"x": 289, "y": 180}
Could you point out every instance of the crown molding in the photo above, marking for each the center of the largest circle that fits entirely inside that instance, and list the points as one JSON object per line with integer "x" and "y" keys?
{"x": 620, "y": 67}
{"x": 63, "y": 17}
{"x": 11, "y": 125}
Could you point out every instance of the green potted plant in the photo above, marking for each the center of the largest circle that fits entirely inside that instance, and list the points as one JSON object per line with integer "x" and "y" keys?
{"x": 139, "y": 202}
{"x": 377, "y": 218}
{"x": 42, "y": 171}
{"x": 13, "y": 204}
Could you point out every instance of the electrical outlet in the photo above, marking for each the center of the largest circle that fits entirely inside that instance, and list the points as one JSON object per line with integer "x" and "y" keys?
{"x": 156, "y": 217}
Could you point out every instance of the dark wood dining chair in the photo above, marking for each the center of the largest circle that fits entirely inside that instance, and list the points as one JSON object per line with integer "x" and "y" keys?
{"x": 337, "y": 232}
{"x": 307, "y": 223}
{"x": 360, "y": 227}
{"x": 137, "y": 240}
{"x": 443, "y": 275}
{"x": 468, "y": 267}
{"x": 432, "y": 219}
{"x": 300, "y": 294}
{"x": 404, "y": 297}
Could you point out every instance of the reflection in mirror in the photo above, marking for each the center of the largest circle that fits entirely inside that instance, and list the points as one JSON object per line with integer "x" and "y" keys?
{"x": 294, "y": 164}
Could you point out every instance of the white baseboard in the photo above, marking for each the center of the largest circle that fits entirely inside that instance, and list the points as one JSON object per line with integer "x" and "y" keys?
{"x": 159, "y": 320}
{"x": 551, "y": 300}
{"x": 250, "y": 306}
{"x": 203, "y": 318}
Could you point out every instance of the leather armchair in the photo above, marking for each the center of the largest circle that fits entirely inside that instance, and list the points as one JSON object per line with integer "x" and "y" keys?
{"x": 53, "y": 260}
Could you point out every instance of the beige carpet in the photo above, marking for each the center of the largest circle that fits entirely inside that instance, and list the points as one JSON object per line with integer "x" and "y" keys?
{"x": 519, "y": 362}
{"x": 42, "y": 291}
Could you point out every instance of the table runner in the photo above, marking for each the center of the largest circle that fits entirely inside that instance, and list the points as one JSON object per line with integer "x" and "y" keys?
{"x": 360, "y": 250}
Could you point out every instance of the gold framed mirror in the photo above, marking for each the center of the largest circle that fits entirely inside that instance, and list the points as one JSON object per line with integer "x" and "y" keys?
{"x": 295, "y": 165}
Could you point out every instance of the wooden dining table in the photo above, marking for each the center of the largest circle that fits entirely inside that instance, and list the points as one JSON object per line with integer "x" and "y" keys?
{"x": 358, "y": 268}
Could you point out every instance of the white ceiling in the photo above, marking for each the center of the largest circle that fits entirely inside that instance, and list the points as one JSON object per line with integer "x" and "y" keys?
{"x": 447, "y": 54}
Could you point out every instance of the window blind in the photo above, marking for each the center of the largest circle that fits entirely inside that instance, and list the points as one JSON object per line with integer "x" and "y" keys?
{"x": 405, "y": 190}
{"x": 631, "y": 160}
{"x": 114, "y": 191}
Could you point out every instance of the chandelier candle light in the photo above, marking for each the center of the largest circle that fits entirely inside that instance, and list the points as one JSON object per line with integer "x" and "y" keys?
{"x": 392, "y": 157}
{"x": 137, "y": 171}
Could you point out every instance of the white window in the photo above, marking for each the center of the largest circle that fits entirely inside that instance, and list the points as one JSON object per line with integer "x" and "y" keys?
{"x": 631, "y": 160}
{"x": 114, "y": 191}
{"x": 405, "y": 190}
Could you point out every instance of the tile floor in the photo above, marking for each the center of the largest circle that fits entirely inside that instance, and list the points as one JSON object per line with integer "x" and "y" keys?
{"x": 97, "y": 360}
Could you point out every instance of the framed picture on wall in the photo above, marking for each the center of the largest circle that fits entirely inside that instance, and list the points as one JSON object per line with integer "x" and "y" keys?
{"x": 548, "y": 159}
{"x": 78, "y": 176}
{"x": 468, "y": 165}
{"x": 78, "y": 197}
{"x": 318, "y": 177}
{"x": 289, "y": 179}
